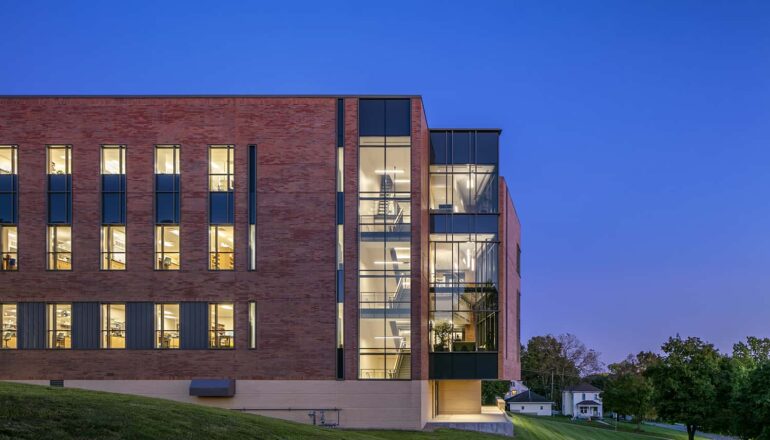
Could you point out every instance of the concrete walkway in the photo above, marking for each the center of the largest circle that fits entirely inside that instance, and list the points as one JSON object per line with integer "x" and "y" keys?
{"x": 491, "y": 420}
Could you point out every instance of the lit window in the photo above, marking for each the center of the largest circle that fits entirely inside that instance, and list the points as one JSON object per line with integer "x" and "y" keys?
{"x": 113, "y": 248}
{"x": 113, "y": 159}
{"x": 8, "y": 184}
{"x": 9, "y": 247}
{"x": 8, "y": 335}
{"x": 59, "y": 169}
{"x": 167, "y": 248}
{"x": 222, "y": 325}
{"x": 59, "y": 326}
{"x": 221, "y": 167}
{"x": 167, "y": 159}
{"x": 221, "y": 248}
{"x": 59, "y": 159}
{"x": 252, "y": 324}
{"x": 59, "y": 248}
{"x": 113, "y": 326}
{"x": 167, "y": 325}
{"x": 8, "y": 160}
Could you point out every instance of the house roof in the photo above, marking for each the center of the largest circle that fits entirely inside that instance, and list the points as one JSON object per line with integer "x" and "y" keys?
{"x": 527, "y": 397}
{"x": 589, "y": 403}
{"x": 583, "y": 387}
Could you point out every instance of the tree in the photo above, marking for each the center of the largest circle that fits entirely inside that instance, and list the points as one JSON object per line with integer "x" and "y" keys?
{"x": 753, "y": 400}
{"x": 490, "y": 389}
{"x": 687, "y": 383}
{"x": 628, "y": 391}
{"x": 550, "y": 363}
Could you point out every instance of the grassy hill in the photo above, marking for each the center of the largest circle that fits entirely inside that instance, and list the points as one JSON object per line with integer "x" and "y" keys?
{"x": 41, "y": 413}
{"x": 560, "y": 428}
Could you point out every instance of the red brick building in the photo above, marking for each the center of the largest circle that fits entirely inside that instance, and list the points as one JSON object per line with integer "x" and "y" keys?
{"x": 328, "y": 253}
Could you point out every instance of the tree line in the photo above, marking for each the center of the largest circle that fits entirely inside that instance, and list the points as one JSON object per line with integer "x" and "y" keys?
{"x": 688, "y": 382}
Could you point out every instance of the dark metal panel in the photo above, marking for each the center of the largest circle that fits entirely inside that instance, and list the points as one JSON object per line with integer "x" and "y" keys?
{"x": 140, "y": 326}
{"x": 194, "y": 325}
{"x": 475, "y": 365}
{"x": 85, "y": 325}
{"x": 212, "y": 387}
{"x": 31, "y": 325}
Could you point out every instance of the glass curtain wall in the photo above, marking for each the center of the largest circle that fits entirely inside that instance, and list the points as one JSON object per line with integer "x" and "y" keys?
{"x": 384, "y": 239}
{"x": 464, "y": 241}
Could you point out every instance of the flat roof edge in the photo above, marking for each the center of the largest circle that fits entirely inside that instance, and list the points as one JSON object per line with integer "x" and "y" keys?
{"x": 207, "y": 96}
{"x": 499, "y": 130}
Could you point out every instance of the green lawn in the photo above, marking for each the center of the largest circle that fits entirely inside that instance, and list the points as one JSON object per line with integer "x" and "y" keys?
{"x": 40, "y": 413}
{"x": 562, "y": 428}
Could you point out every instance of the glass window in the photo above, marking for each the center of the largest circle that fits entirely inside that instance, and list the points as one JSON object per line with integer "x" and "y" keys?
{"x": 222, "y": 326}
{"x": 252, "y": 207}
{"x": 167, "y": 325}
{"x": 167, "y": 250}
{"x": 113, "y": 248}
{"x": 59, "y": 248}
{"x": 252, "y": 247}
{"x": 384, "y": 241}
{"x": 59, "y": 159}
{"x": 9, "y": 247}
{"x": 167, "y": 159}
{"x": 221, "y": 168}
{"x": 252, "y": 324}
{"x": 113, "y": 159}
{"x": 221, "y": 248}
{"x": 113, "y": 326}
{"x": 8, "y": 335}
{"x": 8, "y": 160}
{"x": 59, "y": 325}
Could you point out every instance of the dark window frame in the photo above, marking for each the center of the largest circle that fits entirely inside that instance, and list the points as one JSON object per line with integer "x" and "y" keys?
{"x": 53, "y": 254}
{"x": 109, "y": 252}
{"x": 214, "y": 335}
{"x": 161, "y": 255}
{"x": 51, "y": 309}
{"x": 104, "y": 339}
{"x": 214, "y": 256}
{"x": 14, "y": 191}
{"x": 160, "y": 331}
{"x": 9, "y": 333}
{"x": 5, "y": 264}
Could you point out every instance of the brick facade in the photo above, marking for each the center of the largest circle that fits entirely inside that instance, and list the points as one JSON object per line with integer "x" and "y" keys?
{"x": 294, "y": 284}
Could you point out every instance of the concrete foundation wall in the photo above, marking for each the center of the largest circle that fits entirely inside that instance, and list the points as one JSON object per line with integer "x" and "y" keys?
{"x": 361, "y": 404}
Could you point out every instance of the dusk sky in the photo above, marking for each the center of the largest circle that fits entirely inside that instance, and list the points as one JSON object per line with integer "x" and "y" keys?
{"x": 636, "y": 134}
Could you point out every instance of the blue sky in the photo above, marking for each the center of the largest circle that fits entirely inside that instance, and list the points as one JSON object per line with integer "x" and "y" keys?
{"x": 636, "y": 135}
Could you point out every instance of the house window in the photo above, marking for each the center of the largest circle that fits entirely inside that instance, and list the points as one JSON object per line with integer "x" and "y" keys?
{"x": 60, "y": 326}
{"x": 167, "y": 247}
{"x": 252, "y": 324}
{"x": 113, "y": 326}
{"x": 222, "y": 325}
{"x": 59, "y": 248}
{"x": 9, "y": 247}
{"x": 113, "y": 248}
{"x": 541, "y": 408}
{"x": 221, "y": 248}
{"x": 584, "y": 396}
{"x": 167, "y": 326}
{"x": 8, "y": 335}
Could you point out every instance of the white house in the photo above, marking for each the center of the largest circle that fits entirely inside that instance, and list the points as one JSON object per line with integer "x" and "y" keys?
{"x": 582, "y": 401}
{"x": 529, "y": 402}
